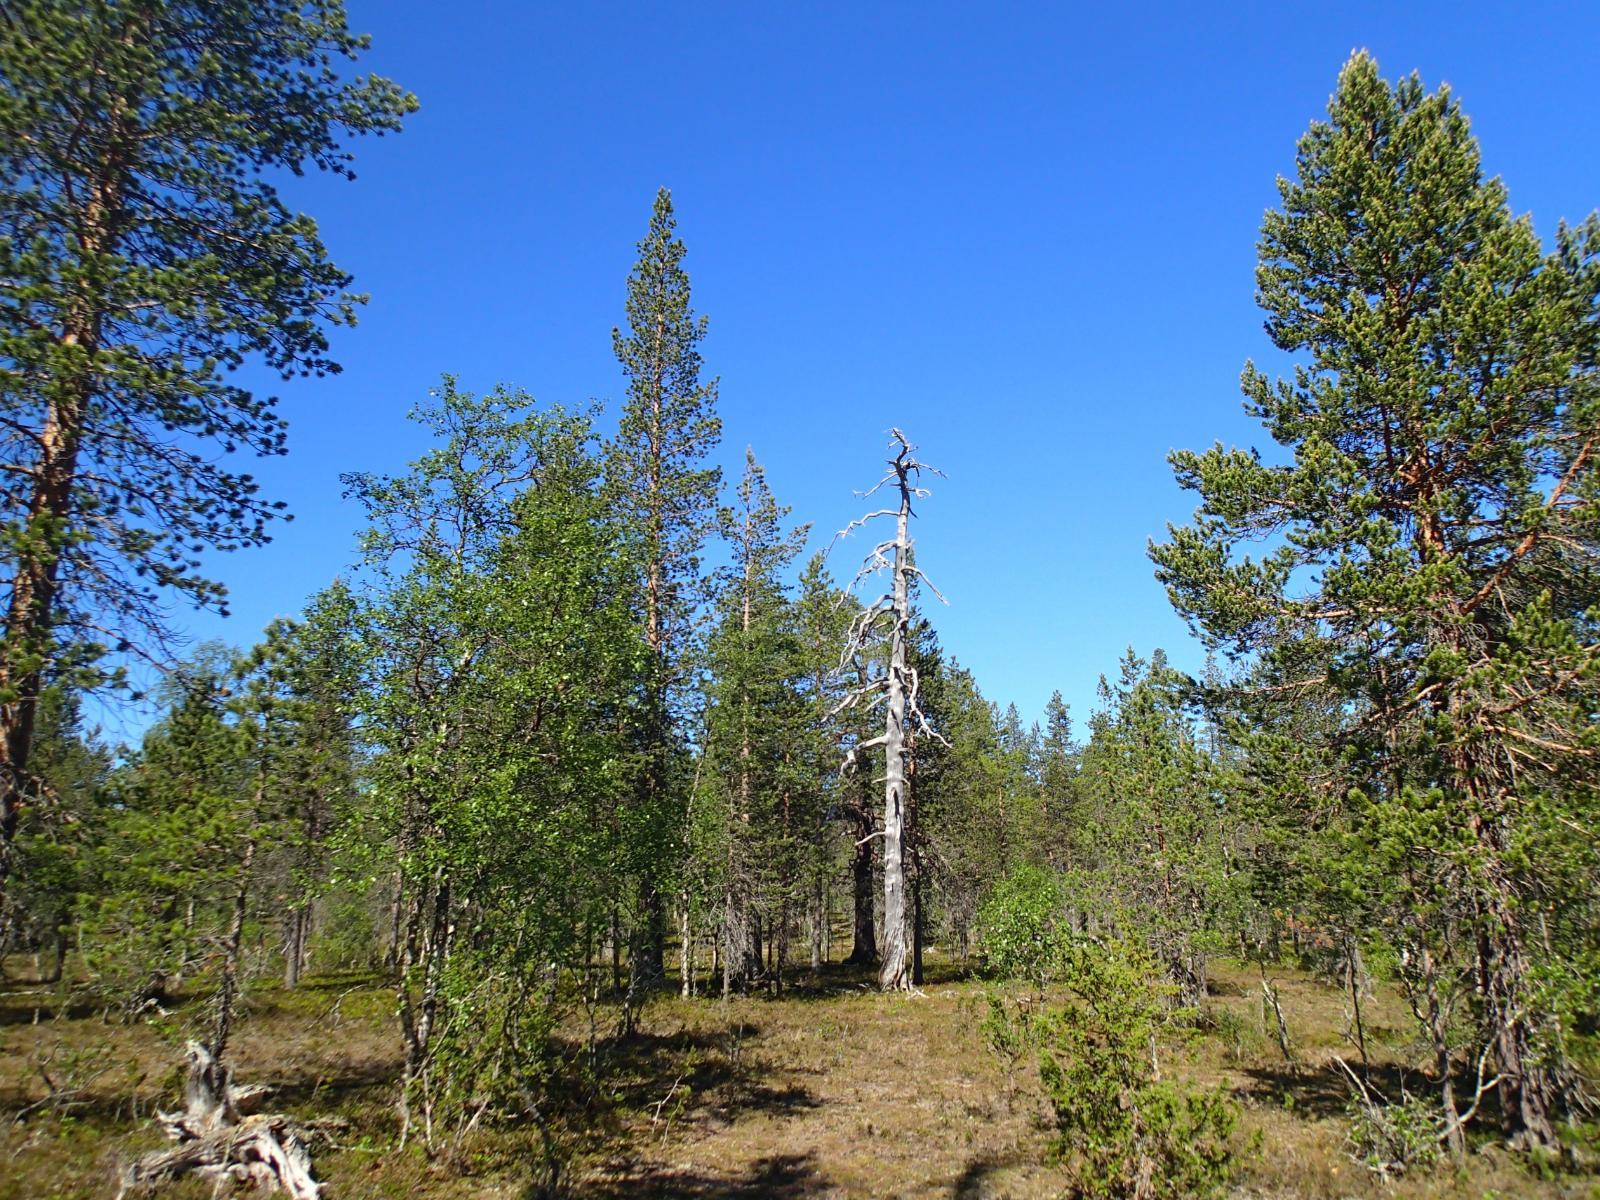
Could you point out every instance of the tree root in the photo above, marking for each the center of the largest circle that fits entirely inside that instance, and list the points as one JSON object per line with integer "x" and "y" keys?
{"x": 220, "y": 1138}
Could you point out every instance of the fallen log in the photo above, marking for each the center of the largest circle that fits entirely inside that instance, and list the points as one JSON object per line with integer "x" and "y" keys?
{"x": 221, "y": 1137}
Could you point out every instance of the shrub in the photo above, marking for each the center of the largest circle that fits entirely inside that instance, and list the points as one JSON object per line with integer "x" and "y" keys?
{"x": 1391, "y": 1139}
{"x": 1023, "y": 926}
{"x": 1121, "y": 1130}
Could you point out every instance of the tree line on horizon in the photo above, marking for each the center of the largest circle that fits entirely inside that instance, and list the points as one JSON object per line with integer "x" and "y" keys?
{"x": 584, "y": 721}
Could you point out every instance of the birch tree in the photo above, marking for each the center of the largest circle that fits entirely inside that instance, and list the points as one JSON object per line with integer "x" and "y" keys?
{"x": 895, "y": 690}
{"x": 497, "y": 654}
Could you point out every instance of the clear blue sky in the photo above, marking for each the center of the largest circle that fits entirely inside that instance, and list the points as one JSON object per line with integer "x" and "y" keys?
{"x": 1023, "y": 233}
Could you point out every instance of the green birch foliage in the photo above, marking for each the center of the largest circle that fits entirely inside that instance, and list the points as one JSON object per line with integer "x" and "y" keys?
{"x": 1431, "y": 531}
{"x": 498, "y": 660}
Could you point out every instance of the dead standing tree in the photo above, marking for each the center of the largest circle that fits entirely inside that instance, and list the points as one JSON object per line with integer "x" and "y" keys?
{"x": 896, "y": 688}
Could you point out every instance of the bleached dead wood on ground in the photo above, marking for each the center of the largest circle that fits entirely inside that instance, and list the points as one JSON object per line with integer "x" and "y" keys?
{"x": 220, "y": 1136}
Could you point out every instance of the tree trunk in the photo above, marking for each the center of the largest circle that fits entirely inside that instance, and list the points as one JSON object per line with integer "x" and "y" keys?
{"x": 686, "y": 951}
{"x": 864, "y": 949}
{"x": 25, "y": 650}
{"x": 229, "y": 988}
{"x": 819, "y": 920}
{"x": 430, "y": 934}
{"x": 916, "y": 926}
{"x": 894, "y": 973}
{"x": 294, "y": 944}
{"x": 616, "y": 951}
{"x": 219, "y": 1137}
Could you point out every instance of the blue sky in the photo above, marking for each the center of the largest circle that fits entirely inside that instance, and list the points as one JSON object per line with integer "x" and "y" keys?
{"x": 1023, "y": 233}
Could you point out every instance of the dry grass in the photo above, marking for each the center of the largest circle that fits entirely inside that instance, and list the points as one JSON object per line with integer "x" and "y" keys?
{"x": 832, "y": 1091}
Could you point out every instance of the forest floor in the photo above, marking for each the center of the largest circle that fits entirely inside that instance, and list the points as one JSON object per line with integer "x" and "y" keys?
{"x": 832, "y": 1091}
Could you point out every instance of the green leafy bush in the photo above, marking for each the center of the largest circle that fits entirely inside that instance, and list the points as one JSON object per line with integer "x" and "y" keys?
{"x": 1023, "y": 926}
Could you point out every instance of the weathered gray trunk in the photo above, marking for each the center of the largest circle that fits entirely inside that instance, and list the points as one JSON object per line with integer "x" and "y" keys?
{"x": 898, "y": 690}
{"x": 894, "y": 973}
{"x": 220, "y": 1137}
{"x": 686, "y": 950}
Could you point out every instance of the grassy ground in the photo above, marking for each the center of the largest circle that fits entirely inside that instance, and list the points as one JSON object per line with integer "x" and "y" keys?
{"x": 834, "y": 1091}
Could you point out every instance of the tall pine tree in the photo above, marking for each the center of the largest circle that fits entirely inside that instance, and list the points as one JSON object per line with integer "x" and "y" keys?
{"x": 1433, "y": 531}
{"x": 144, "y": 256}
{"x": 666, "y": 496}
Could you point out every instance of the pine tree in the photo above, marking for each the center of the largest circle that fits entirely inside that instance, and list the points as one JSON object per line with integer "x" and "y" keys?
{"x": 175, "y": 853}
{"x": 56, "y": 840}
{"x": 666, "y": 496}
{"x": 822, "y": 616}
{"x": 144, "y": 256}
{"x": 1155, "y": 839}
{"x": 754, "y": 717}
{"x": 1433, "y": 531}
{"x": 1058, "y": 772}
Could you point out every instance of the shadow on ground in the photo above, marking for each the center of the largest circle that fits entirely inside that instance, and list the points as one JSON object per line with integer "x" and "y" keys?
{"x": 972, "y": 1183}
{"x": 1325, "y": 1091}
{"x": 778, "y": 1176}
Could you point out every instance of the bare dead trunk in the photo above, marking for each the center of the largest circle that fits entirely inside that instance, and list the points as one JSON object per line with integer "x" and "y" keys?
{"x": 1356, "y": 980}
{"x": 894, "y": 973}
{"x": 219, "y": 1137}
{"x": 898, "y": 689}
